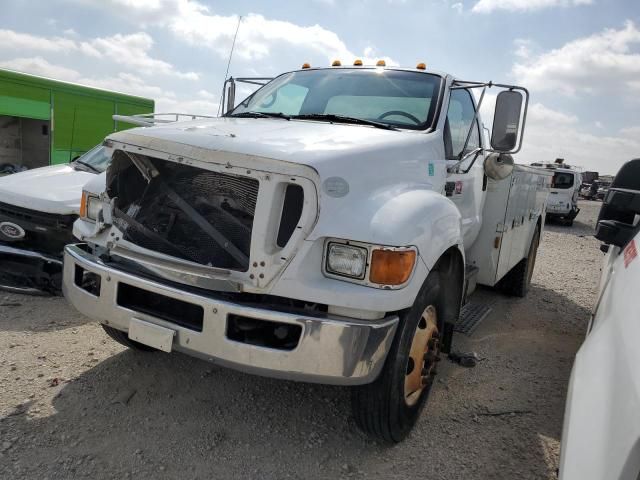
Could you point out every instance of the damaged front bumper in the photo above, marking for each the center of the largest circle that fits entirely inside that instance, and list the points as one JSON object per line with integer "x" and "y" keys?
{"x": 326, "y": 349}
{"x": 28, "y": 271}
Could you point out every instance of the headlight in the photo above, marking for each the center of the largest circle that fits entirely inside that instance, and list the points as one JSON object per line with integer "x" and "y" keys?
{"x": 346, "y": 260}
{"x": 90, "y": 206}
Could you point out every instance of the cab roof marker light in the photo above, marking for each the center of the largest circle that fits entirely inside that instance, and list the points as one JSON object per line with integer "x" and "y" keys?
{"x": 306, "y": 65}
{"x": 336, "y": 63}
{"x": 381, "y": 63}
{"x": 357, "y": 63}
{"x": 421, "y": 66}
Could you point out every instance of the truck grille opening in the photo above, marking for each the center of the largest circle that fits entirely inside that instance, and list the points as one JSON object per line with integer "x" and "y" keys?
{"x": 170, "y": 309}
{"x": 263, "y": 333}
{"x": 183, "y": 211}
{"x": 88, "y": 281}
{"x": 291, "y": 212}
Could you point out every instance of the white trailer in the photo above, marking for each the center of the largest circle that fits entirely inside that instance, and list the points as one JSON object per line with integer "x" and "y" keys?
{"x": 327, "y": 229}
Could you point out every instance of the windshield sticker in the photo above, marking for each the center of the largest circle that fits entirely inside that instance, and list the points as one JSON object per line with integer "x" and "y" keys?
{"x": 431, "y": 172}
{"x": 630, "y": 253}
{"x": 458, "y": 187}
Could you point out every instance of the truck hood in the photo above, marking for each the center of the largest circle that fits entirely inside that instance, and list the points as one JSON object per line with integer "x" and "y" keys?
{"x": 299, "y": 141}
{"x": 56, "y": 189}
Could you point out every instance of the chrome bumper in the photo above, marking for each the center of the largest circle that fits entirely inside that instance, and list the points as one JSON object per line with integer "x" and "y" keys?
{"x": 331, "y": 350}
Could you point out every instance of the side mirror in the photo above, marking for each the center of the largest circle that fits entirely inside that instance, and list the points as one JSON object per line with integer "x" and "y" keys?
{"x": 506, "y": 121}
{"x": 498, "y": 166}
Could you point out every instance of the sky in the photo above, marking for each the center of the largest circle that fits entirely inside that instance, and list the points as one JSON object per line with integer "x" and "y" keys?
{"x": 580, "y": 59}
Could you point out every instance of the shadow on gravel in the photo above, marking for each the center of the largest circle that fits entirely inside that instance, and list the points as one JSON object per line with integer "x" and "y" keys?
{"x": 578, "y": 228}
{"x": 135, "y": 411}
{"x": 37, "y": 314}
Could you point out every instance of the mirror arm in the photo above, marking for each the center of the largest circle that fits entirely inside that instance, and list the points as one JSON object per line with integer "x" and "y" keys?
{"x": 453, "y": 168}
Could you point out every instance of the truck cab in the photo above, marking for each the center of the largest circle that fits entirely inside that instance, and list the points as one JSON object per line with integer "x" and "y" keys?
{"x": 327, "y": 229}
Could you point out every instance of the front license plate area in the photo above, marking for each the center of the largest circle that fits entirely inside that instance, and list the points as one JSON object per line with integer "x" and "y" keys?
{"x": 151, "y": 335}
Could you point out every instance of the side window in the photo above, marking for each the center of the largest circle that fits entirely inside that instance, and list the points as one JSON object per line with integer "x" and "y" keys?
{"x": 459, "y": 118}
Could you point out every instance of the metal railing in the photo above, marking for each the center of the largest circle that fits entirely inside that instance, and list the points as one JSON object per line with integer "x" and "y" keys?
{"x": 150, "y": 119}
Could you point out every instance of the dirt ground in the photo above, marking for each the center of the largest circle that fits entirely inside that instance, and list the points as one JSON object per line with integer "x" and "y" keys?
{"x": 74, "y": 404}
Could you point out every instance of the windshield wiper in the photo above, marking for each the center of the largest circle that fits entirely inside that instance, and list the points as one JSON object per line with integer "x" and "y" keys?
{"x": 85, "y": 164}
{"x": 331, "y": 117}
{"x": 261, "y": 115}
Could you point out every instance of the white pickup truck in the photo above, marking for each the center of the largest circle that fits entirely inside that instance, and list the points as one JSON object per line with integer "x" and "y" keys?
{"x": 601, "y": 435}
{"x": 327, "y": 229}
{"x": 37, "y": 211}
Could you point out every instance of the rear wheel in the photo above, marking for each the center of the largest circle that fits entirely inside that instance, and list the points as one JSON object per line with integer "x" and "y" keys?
{"x": 123, "y": 339}
{"x": 388, "y": 408}
{"x": 518, "y": 281}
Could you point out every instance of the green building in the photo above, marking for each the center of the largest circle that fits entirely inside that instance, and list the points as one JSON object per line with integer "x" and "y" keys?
{"x": 45, "y": 122}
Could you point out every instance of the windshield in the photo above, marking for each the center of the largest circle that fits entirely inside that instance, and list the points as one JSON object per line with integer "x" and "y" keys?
{"x": 562, "y": 180}
{"x": 393, "y": 97}
{"x": 97, "y": 158}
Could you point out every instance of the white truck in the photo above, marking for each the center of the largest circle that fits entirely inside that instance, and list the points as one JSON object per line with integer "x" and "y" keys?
{"x": 327, "y": 229}
{"x": 601, "y": 435}
{"x": 37, "y": 211}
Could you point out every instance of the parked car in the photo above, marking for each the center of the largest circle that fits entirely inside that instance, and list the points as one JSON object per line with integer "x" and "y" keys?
{"x": 601, "y": 434}
{"x": 327, "y": 230}
{"x": 37, "y": 211}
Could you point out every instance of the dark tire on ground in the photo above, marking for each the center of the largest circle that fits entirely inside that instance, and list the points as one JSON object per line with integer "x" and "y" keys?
{"x": 388, "y": 408}
{"x": 518, "y": 280}
{"x": 123, "y": 339}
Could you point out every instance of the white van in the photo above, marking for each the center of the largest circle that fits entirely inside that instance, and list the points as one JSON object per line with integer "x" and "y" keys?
{"x": 563, "y": 198}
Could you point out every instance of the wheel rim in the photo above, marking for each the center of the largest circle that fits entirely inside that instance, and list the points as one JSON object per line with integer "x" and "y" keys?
{"x": 423, "y": 356}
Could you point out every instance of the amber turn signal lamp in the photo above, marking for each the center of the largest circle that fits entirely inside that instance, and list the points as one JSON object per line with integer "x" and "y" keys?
{"x": 306, "y": 65}
{"x": 336, "y": 63}
{"x": 421, "y": 66}
{"x": 83, "y": 205}
{"x": 391, "y": 267}
{"x": 357, "y": 63}
{"x": 381, "y": 63}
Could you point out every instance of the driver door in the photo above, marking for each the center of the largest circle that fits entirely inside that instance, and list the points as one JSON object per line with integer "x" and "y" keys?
{"x": 464, "y": 189}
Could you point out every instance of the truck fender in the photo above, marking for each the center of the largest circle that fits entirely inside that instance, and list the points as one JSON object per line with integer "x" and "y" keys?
{"x": 422, "y": 218}
{"x": 408, "y": 215}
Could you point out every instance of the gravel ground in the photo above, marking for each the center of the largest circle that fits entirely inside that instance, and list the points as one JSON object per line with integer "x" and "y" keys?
{"x": 74, "y": 404}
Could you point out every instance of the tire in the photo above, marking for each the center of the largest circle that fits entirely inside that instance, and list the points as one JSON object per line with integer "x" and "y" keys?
{"x": 518, "y": 281}
{"x": 388, "y": 408}
{"x": 123, "y": 339}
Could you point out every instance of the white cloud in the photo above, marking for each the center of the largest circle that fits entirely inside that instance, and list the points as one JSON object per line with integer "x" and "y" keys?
{"x": 458, "y": 7}
{"x": 258, "y": 38}
{"x": 39, "y": 66}
{"x": 131, "y": 50}
{"x": 11, "y": 40}
{"x": 542, "y": 115}
{"x": 633, "y": 132}
{"x": 486, "y": 6}
{"x": 590, "y": 64}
